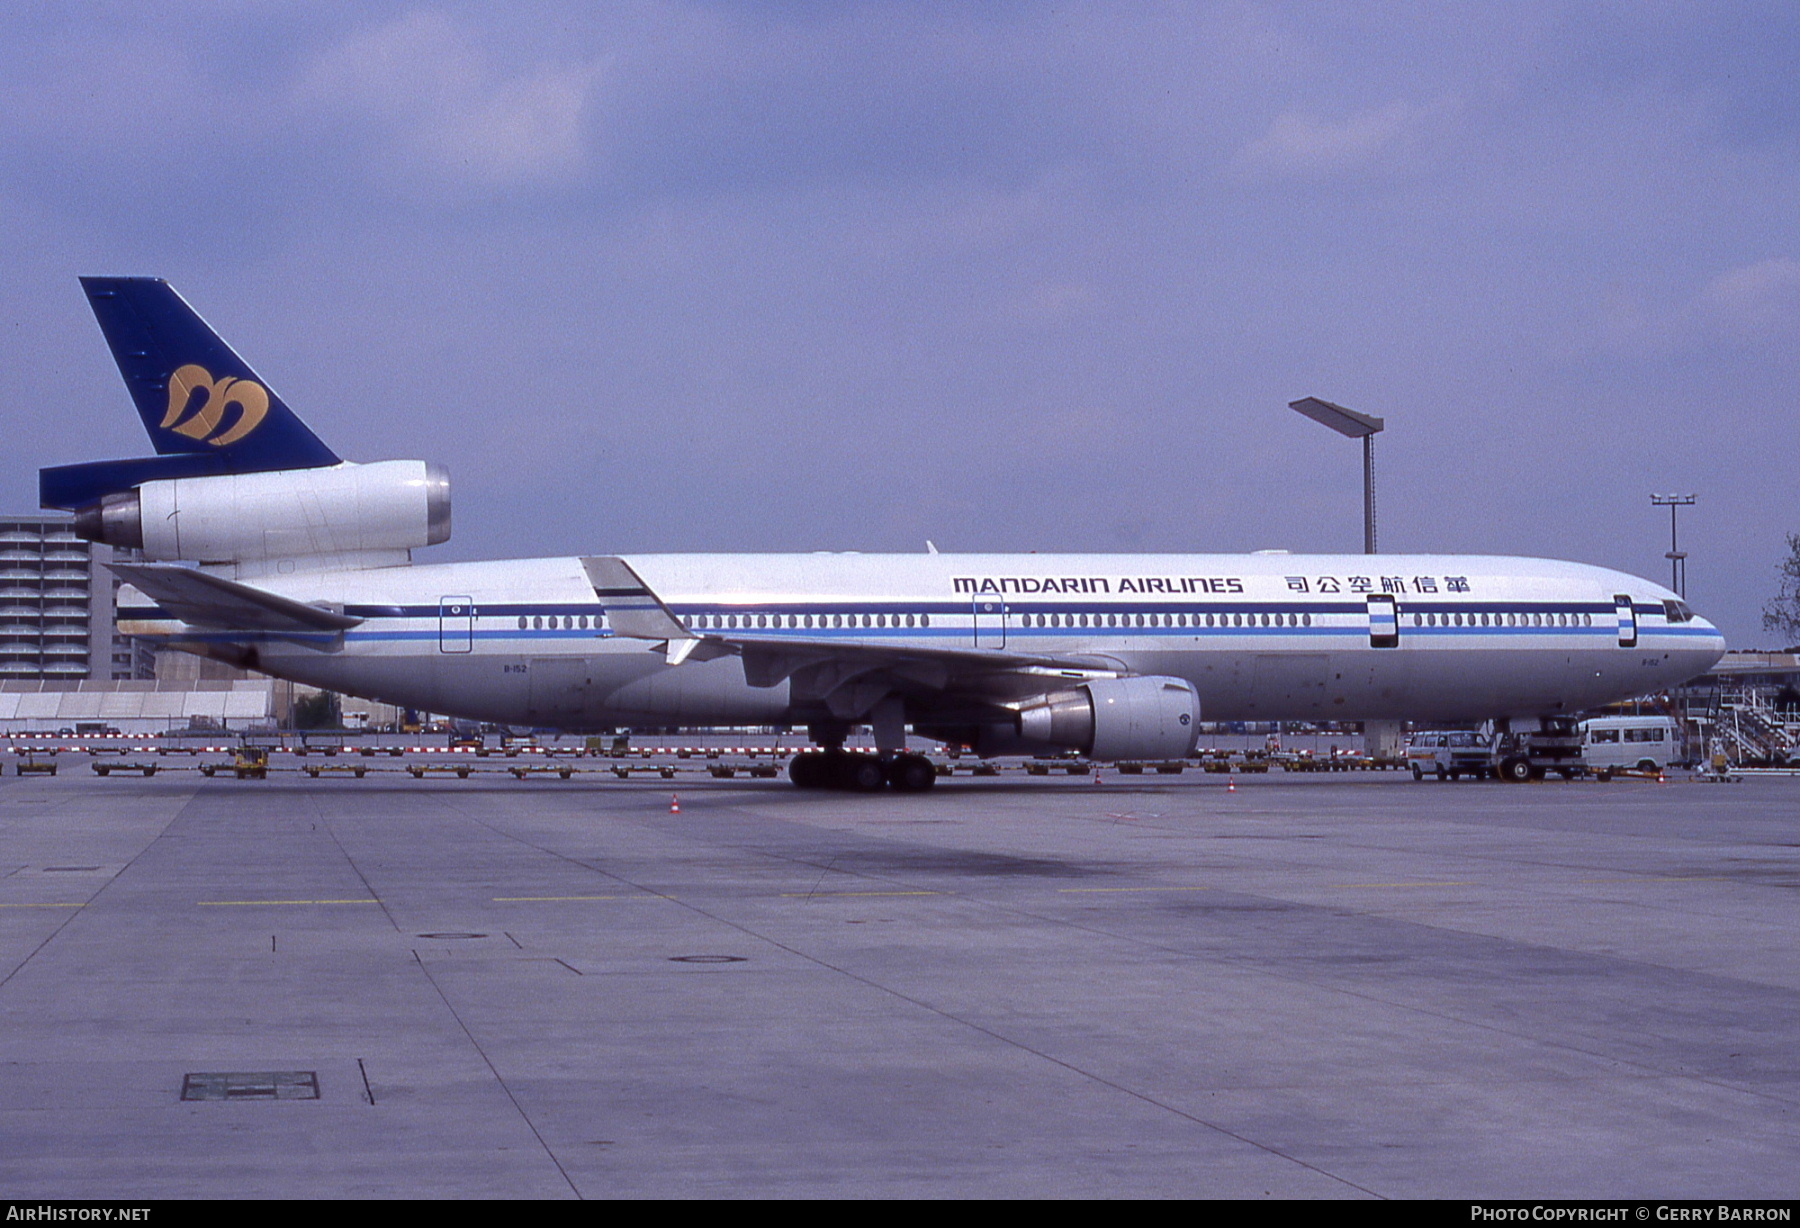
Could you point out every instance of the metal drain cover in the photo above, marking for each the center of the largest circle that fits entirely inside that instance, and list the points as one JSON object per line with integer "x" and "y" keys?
{"x": 706, "y": 959}
{"x": 251, "y": 1085}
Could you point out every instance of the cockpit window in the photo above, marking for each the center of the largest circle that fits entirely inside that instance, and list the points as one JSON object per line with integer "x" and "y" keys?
{"x": 1677, "y": 612}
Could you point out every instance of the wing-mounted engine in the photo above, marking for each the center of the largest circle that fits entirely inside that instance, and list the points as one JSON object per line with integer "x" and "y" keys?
{"x": 1105, "y": 718}
{"x": 343, "y": 515}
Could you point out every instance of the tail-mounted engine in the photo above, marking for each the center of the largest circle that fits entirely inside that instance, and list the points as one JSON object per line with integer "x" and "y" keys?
{"x": 373, "y": 514}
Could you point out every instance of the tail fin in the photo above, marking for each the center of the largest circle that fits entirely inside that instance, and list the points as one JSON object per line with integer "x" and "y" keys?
{"x": 204, "y": 408}
{"x": 192, "y": 391}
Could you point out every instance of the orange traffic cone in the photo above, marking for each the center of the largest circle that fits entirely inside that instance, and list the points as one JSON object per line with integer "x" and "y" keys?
{"x": 674, "y": 803}
{"x": 1231, "y": 783}
{"x": 1096, "y": 773}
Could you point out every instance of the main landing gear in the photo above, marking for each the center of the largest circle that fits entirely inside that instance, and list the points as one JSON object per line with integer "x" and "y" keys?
{"x": 861, "y": 773}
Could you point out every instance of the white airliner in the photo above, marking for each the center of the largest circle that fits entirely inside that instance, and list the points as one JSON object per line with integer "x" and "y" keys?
{"x": 267, "y": 551}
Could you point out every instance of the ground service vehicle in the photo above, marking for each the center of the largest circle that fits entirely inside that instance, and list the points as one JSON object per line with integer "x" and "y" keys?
{"x": 247, "y": 763}
{"x": 1641, "y": 743}
{"x": 1449, "y": 754}
{"x": 1524, "y": 750}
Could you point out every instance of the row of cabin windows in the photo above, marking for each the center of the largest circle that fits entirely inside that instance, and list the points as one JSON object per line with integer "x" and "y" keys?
{"x": 718, "y": 622}
{"x": 1167, "y": 620}
{"x": 732, "y": 621}
{"x": 570, "y": 622}
{"x": 1503, "y": 620}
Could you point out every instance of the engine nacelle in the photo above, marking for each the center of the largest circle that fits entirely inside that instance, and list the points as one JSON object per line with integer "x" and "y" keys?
{"x": 383, "y": 508}
{"x": 1107, "y": 719}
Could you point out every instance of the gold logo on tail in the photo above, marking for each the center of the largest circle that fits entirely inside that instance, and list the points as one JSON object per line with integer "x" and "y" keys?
{"x": 251, "y": 398}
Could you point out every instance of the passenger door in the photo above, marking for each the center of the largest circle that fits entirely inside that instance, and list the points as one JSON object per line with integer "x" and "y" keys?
{"x": 456, "y": 624}
{"x": 990, "y": 622}
{"x": 1628, "y": 630}
{"x": 1384, "y": 621}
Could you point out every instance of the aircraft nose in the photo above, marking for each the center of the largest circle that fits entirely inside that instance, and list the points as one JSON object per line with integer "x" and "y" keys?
{"x": 1707, "y": 646}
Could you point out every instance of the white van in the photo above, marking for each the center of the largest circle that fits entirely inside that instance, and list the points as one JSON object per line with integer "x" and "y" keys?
{"x": 1644, "y": 743}
{"x": 1449, "y": 754}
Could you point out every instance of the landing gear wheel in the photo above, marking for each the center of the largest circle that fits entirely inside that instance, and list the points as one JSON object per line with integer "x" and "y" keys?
{"x": 911, "y": 773}
{"x": 808, "y": 770}
{"x": 864, "y": 774}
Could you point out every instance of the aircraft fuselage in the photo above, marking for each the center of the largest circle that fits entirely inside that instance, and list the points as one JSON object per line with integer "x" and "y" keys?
{"x": 1261, "y": 637}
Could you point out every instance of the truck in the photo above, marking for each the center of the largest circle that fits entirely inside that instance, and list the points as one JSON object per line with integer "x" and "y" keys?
{"x": 1517, "y": 751}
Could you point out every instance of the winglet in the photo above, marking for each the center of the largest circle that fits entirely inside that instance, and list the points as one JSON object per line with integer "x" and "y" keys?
{"x": 632, "y": 610}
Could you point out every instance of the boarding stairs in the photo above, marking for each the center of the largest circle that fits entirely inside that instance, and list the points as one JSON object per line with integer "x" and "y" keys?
{"x": 1751, "y": 731}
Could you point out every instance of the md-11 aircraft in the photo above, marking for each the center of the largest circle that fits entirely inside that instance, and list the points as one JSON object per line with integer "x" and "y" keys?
{"x": 262, "y": 548}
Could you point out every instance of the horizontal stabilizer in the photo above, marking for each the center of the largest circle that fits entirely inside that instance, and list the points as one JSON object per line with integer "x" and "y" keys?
{"x": 205, "y": 600}
{"x": 69, "y": 487}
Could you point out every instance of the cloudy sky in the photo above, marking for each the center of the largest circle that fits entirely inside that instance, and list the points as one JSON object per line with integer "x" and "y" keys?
{"x": 1009, "y": 276}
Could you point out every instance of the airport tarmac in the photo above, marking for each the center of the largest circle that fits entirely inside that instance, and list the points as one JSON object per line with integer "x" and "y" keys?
{"x": 1312, "y": 986}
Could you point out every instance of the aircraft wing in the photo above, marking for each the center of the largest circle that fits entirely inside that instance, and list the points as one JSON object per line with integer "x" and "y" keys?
{"x": 205, "y": 600}
{"x": 847, "y": 676}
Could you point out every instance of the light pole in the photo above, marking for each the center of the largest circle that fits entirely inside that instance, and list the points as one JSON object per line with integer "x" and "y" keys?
{"x": 1677, "y": 556}
{"x": 1356, "y": 426}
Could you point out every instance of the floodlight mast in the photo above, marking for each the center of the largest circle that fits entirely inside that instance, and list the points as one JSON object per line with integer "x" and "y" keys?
{"x": 1677, "y": 556}
{"x": 1356, "y": 426}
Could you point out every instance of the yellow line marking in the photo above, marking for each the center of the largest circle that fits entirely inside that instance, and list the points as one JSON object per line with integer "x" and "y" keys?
{"x": 1432, "y": 884}
{"x": 807, "y": 895}
{"x": 551, "y": 899}
{"x": 81, "y": 905}
{"x": 261, "y": 903}
{"x": 1109, "y": 890}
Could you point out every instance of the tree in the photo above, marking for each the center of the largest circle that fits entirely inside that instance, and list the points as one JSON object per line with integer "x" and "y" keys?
{"x": 1783, "y": 614}
{"x": 317, "y": 711}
